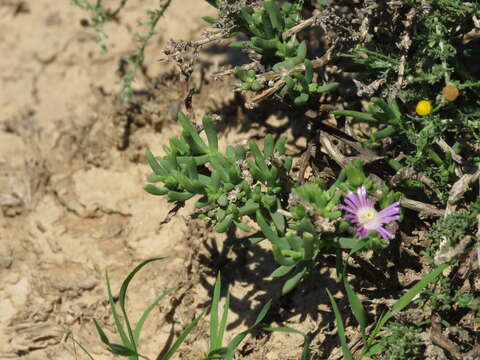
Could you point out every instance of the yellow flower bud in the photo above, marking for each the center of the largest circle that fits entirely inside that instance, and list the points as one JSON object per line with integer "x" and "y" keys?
{"x": 424, "y": 107}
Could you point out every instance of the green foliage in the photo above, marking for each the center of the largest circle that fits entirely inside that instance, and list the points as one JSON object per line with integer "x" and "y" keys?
{"x": 445, "y": 235}
{"x": 130, "y": 337}
{"x": 216, "y": 349}
{"x": 416, "y": 134}
{"x": 135, "y": 58}
{"x": 433, "y": 56}
{"x": 370, "y": 346}
{"x": 265, "y": 27}
{"x": 411, "y": 52}
{"x": 99, "y": 17}
{"x": 449, "y": 231}
{"x": 298, "y": 220}
{"x": 399, "y": 342}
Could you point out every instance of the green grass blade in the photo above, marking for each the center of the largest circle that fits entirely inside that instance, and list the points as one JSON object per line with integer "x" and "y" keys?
{"x": 214, "y": 315}
{"x": 217, "y": 354}
{"x": 143, "y": 318}
{"x": 223, "y": 321}
{"x": 239, "y": 338}
{"x": 284, "y": 329}
{"x": 340, "y": 328}
{"x": 356, "y": 305}
{"x": 123, "y": 293}
{"x": 115, "y": 348}
{"x": 101, "y": 333}
{"x": 118, "y": 323}
{"x": 410, "y": 294}
{"x": 182, "y": 337}
{"x": 417, "y": 288}
{"x": 402, "y": 303}
{"x": 306, "y": 349}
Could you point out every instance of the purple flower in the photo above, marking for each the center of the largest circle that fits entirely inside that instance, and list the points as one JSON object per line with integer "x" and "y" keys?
{"x": 361, "y": 211}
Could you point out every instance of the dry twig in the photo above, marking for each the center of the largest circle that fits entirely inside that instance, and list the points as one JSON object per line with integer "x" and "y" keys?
{"x": 280, "y": 77}
{"x": 459, "y": 188}
{"x": 424, "y": 209}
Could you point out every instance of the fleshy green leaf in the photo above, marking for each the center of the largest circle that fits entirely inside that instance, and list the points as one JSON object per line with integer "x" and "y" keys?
{"x": 157, "y": 169}
{"x": 291, "y": 283}
{"x": 209, "y": 128}
{"x": 282, "y": 271}
{"x": 152, "y": 189}
{"x": 274, "y": 14}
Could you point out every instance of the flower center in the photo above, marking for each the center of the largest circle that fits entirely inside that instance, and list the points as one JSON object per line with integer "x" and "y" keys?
{"x": 368, "y": 217}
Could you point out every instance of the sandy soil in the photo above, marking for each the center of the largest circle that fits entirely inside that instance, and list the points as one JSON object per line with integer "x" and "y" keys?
{"x": 71, "y": 200}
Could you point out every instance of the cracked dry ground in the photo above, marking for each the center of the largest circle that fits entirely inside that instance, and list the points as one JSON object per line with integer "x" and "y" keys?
{"x": 71, "y": 200}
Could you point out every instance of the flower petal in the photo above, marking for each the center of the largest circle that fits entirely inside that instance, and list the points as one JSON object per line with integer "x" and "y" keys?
{"x": 362, "y": 194}
{"x": 353, "y": 218}
{"x": 347, "y": 208}
{"x": 389, "y": 219}
{"x": 351, "y": 197}
{"x": 392, "y": 209}
{"x": 384, "y": 233}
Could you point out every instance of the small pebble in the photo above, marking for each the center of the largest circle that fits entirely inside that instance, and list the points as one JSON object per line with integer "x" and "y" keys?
{"x": 6, "y": 262}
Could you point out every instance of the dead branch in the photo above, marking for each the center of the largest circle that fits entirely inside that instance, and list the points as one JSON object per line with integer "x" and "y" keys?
{"x": 459, "y": 188}
{"x": 281, "y": 75}
{"x": 427, "y": 210}
{"x": 303, "y": 25}
{"x": 409, "y": 172}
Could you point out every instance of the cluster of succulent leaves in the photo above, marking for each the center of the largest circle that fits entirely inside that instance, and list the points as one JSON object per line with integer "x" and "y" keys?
{"x": 264, "y": 27}
{"x": 299, "y": 220}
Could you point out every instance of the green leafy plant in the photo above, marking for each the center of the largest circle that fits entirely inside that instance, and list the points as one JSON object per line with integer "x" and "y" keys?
{"x": 218, "y": 325}
{"x": 399, "y": 343}
{"x": 266, "y": 28}
{"x": 136, "y": 57}
{"x": 370, "y": 346}
{"x": 130, "y": 336}
{"x": 298, "y": 220}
